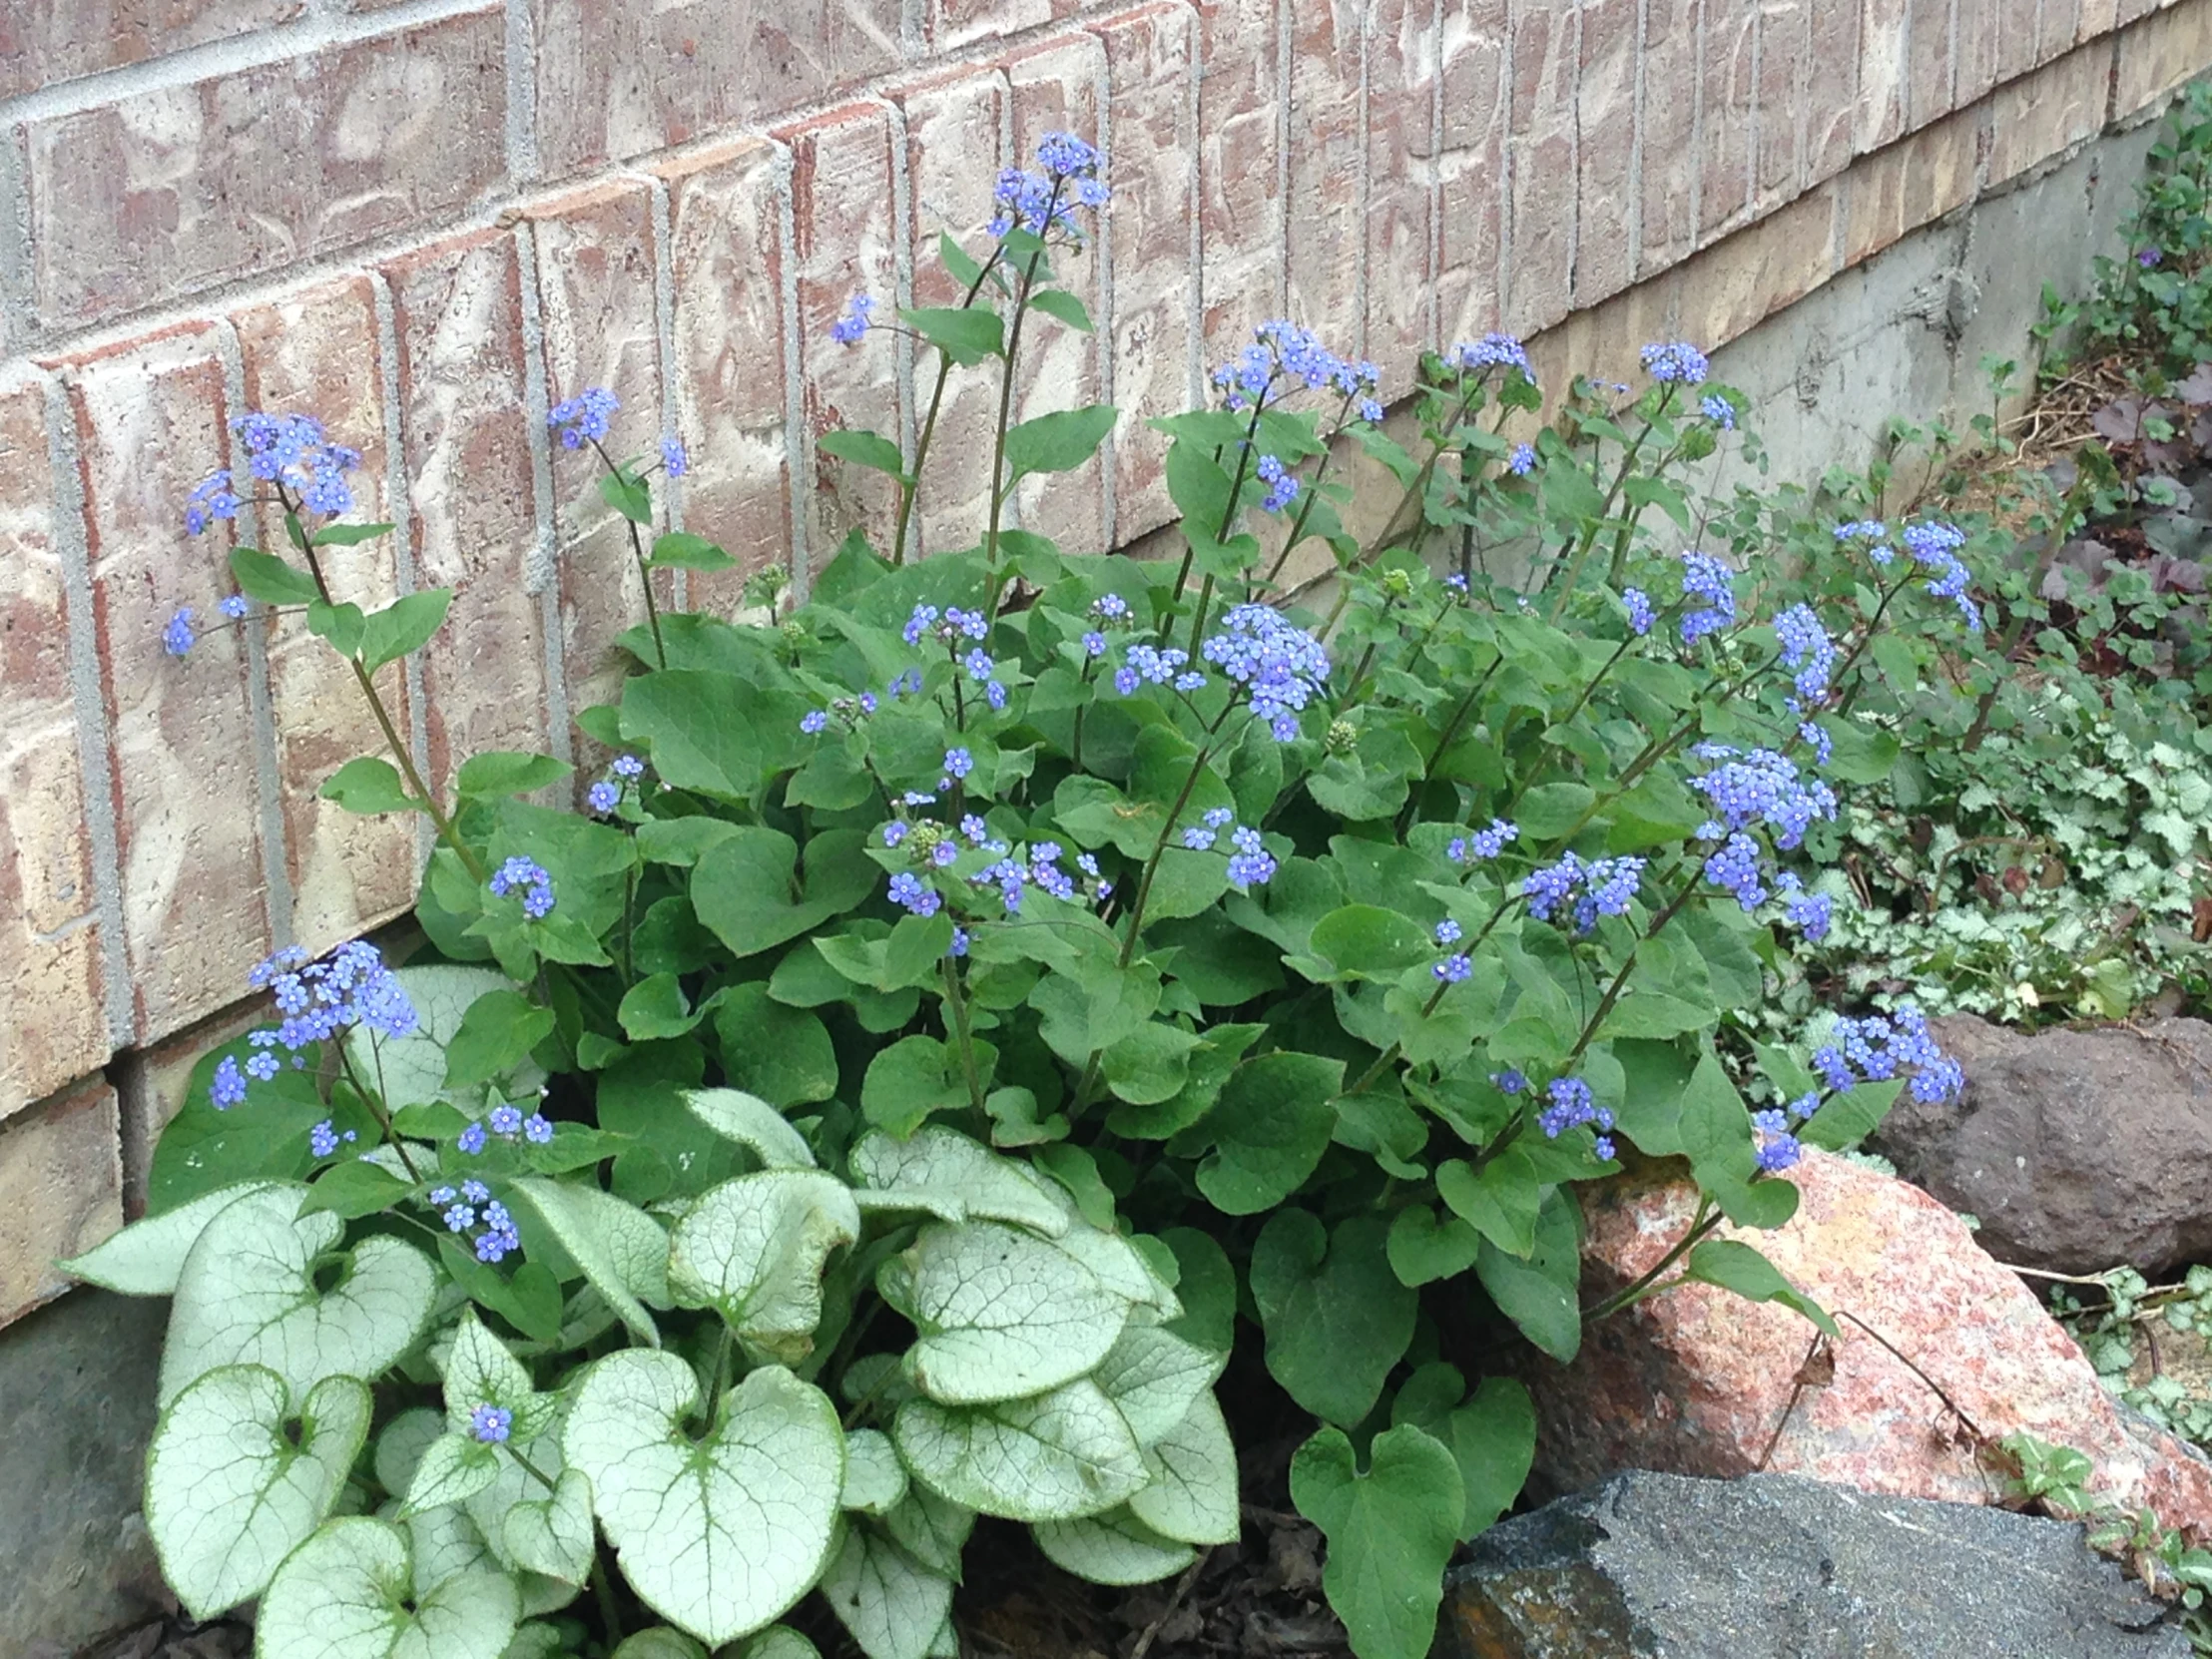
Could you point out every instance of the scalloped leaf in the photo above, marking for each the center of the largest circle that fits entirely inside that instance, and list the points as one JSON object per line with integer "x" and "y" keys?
{"x": 348, "y": 1593}
{"x": 1059, "y": 1456}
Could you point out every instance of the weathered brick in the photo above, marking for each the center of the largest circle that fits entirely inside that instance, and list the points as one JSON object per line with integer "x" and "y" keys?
{"x": 1931, "y": 62}
{"x": 726, "y": 249}
{"x": 1240, "y": 97}
{"x": 2039, "y": 115}
{"x": 1539, "y": 258}
{"x": 2128, "y": 11}
{"x": 1472, "y": 59}
{"x": 1605, "y": 114}
{"x": 1730, "y": 288}
{"x": 1667, "y": 140}
{"x": 1911, "y": 184}
{"x": 840, "y": 199}
{"x": 151, "y": 1083}
{"x": 1883, "y": 73}
{"x": 168, "y": 192}
{"x": 150, "y": 417}
{"x": 2015, "y": 36}
{"x": 1327, "y": 152}
{"x": 599, "y": 327}
{"x": 457, "y": 305}
{"x": 1062, "y": 86}
{"x": 957, "y": 23}
{"x": 2056, "y": 23}
{"x": 617, "y": 79}
{"x": 46, "y": 42}
{"x": 317, "y": 350}
{"x": 1831, "y": 88}
{"x": 1724, "y": 116}
{"x": 2159, "y": 53}
{"x": 1402, "y": 145}
{"x": 52, "y": 1028}
{"x": 1151, "y": 145}
{"x": 1785, "y": 43}
{"x": 2096, "y": 17}
{"x": 61, "y": 1192}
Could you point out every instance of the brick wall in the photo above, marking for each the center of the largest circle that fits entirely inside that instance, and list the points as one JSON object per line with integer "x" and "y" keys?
{"x": 427, "y": 219}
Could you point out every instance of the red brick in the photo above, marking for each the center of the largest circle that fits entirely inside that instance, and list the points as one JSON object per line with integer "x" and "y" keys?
{"x": 150, "y": 418}
{"x": 51, "y": 1024}
{"x": 1785, "y": 39}
{"x": 458, "y": 308}
{"x": 1978, "y": 27}
{"x": 1911, "y": 184}
{"x": 1472, "y": 59}
{"x": 1931, "y": 62}
{"x": 1539, "y": 263}
{"x": 1061, "y": 88}
{"x": 597, "y": 309}
{"x": 171, "y": 192}
{"x": 1724, "y": 171}
{"x": 61, "y": 1192}
{"x": 1148, "y": 158}
{"x": 727, "y": 251}
{"x": 1831, "y": 88}
{"x": 1605, "y": 114}
{"x": 44, "y": 42}
{"x": 957, "y": 23}
{"x": 841, "y": 201}
{"x": 1668, "y": 138}
{"x": 618, "y": 79}
{"x": 2130, "y": 11}
{"x": 1402, "y": 187}
{"x": 1240, "y": 111}
{"x": 317, "y": 350}
{"x": 1326, "y": 241}
{"x": 1883, "y": 73}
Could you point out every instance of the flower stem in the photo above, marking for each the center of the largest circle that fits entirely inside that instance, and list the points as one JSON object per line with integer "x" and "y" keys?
{"x": 1706, "y": 1220}
{"x": 637, "y": 552}
{"x": 956, "y": 1000}
{"x": 910, "y": 485}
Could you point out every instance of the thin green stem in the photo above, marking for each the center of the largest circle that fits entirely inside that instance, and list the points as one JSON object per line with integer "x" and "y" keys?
{"x": 1005, "y": 414}
{"x": 910, "y": 485}
{"x": 377, "y": 1110}
{"x": 604, "y": 1593}
{"x": 956, "y": 1000}
{"x": 637, "y": 552}
{"x": 1628, "y": 1296}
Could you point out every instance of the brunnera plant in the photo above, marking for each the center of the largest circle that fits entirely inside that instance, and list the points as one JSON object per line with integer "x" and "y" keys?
{"x": 977, "y": 998}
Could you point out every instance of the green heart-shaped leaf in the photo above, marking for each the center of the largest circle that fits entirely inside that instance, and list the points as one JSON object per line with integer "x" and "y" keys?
{"x": 348, "y": 1592}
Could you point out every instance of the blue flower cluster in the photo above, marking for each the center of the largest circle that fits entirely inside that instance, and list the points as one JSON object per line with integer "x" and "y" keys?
{"x": 1640, "y": 614}
{"x": 1282, "y": 484}
{"x": 1044, "y": 198}
{"x": 1597, "y": 887}
{"x": 1705, "y": 577}
{"x": 1675, "y": 362}
{"x": 1778, "y": 1149}
{"x": 1146, "y": 663}
{"x": 1282, "y": 667}
{"x": 1752, "y": 787}
{"x": 508, "y": 1123}
{"x": 491, "y": 1424}
{"x": 1807, "y": 651}
{"x": 1935, "y": 546}
{"x": 318, "y": 1000}
{"x": 1876, "y": 1049}
{"x": 583, "y": 419}
{"x": 1522, "y": 461}
{"x": 849, "y": 327}
{"x": 1483, "y": 844}
{"x": 291, "y": 451}
{"x": 1812, "y": 913}
{"x": 1873, "y": 533}
{"x": 1492, "y": 350}
{"x": 324, "y": 1140}
{"x": 1571, "y": 1107}
{"x": 1251, "y": 865}
{"x": 1285, "y": 359}
{"x": 1455, "y": 966}
{"x": 606, "y": 795}
{"x": 529, "y": 878}
{"x": 459, "y": 1211}
{"x": 178, "y": 638}
{"x": 1719, "y": 410}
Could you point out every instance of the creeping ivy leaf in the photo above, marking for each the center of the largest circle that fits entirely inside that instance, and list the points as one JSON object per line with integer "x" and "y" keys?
{"x": 229, "y": 1494}
{"x": 1057, "y": 1456}
{"x": 1336, "y": 1318}
{"x": 1113, "y": 1548}
{"x": 1002, "y": 1313}
{"x": 1190, "y": 1493}
{"x": 874, "y": 1479}
{"x": 751, "y": 1121}
{"x": 891, "y": 1603}
{"x": 348, "y": 1592}
{"x": 1390, "y": 1532}
{"x": 1737, "y": 1266}
{"x": 943, "y": 1173}
{"x": 717, "y": 1535}
{"x": 754, "y": 1249}
{"x": 1152, "y": 1375}
{"x": 146, "y": 1258}
{"x": 1270, "y": 1128}
{"x": 247, "y": 1296}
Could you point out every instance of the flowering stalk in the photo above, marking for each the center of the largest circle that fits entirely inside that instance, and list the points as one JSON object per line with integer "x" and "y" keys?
{"x": 1006, "y": 408}
{"x": 956, "y": 1000}
{"x": 1647, "y": 1285}
{"x": 637, "y": 553}
{"x": 910, "y": 486}
{"x": 1221, "y": 532}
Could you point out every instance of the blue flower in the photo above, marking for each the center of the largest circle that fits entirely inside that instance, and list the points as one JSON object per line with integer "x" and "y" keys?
{"x": 1281, "y": 482}
{"x": 526, "y": 873}
{"x": 1492, "y": 350}
{"x": 1705, "y": 577}
{"x": 958, "y": 762}
{"x": 583, "y": 419}
{"x": 500, "y": 1237}
{"x": 1448, "y": 931}
{"x": 471, "y": 1139}
{"x": 1824, "y": 746}
{"x": 1778, "y": 1148}
{"x": 1640, "y": 615}
{"x": 1453, "y": 968}
{"x": 628, "y": 768}
{"x": 895, "y": 831}
{"x": 1282, "y": 667}
{"x": 1110, "y": 607}
{"x": 813, "y": 721}
{"x": 1675, "y": 362}
{"x": 1719, "y": 410}
{"x": 944, "y": 853}
{"x": 1811, "y": 913}
{"x": 674, "y": 461}
{"x": 1197, "y": 839}
{"x": 233, "y": 606}
{"x": 1807, "y": 651}
{"x": 1045, "y": 197}
{"x": 1250, "y": 866}
{"x": 1756, "y": 787}
{"x": 1522, "y": 461}
{"x": 2149, "y": 256}
{"x": 292, "y": 452}
{"x": 324, "y": 1140}
{"x": 1285, "y": 359}
{"x": 959, "y": 944}
{"x": 491, "y": 1424}
{"x": 226, "y": 1088}
{"x": 980, "y": 665}
{"x": 506, "y": 1120}
{"x": 1875, "y": 1049}
{"x": 1483, "y": 843}
{"x": 1509, "y": 1081}
{"x": 1736, "y": 868}
{"x": 1571, "y": 1107}
{"x": 1094, "y": 644}
{"x": 1935, "y": 546}
{"x": 472, "y": 1190}
{"x": 910, "y": 894}
{"x": 537, "y": 1129}
{"x": 995, "y": 695}
{"x": 603, "y": 797}
{"x": 849, "y": 328}
{"x": 210, "y": 500}
{"x": 321, "y": 999}
{"x": 178, "y": 638}
{"x": 1602, "y": 888}
{"x": 1147, "y": 664}
{"x": 458, "y": 1218}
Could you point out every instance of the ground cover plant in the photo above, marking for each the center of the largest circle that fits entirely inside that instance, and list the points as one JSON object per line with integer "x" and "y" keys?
{"x": 971, "y": 1002}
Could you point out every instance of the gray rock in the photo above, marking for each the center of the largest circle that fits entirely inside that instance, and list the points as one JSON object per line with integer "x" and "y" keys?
{"x": 2076, "y": 1150}
{"x": 1775, "y": 1566}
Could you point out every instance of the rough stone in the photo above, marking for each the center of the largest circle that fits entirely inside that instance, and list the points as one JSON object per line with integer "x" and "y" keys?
{"x": 2074, "y": 1150}
{"x": 1697, "y": 1381}
{"x": 1775, "y": 1566}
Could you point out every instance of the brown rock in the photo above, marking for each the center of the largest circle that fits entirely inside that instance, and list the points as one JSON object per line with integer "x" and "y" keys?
{"x": 1699, "y": 1382}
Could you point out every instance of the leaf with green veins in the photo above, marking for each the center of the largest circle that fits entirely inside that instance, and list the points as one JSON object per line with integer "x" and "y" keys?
{"x": 659, "y": 1643}
{"x": 778, "y": 1642}
{"x": 1152, "y": 1375}
{"x": 933, "y": 1530}
{"x": 370, "y": 786}
{"x": 1737, "y": 1266}
{"x": 553, "y": 1534}
{"x": 1336, "y": 1318}
{"x": 1002, "y": 1313}
{"x": 909, "y": 1080}
{"x": 247, "y": 1296}
{"x": 1538, "y": 1293}
{"x": 1492, "y": 1437}
{"x": 1056, "y": 1457}
{"x": 411, "y": 1070}
{"x": 943, "y": 1173}
{"x": 1270, "y": 1128}
{"x": 1113, "y": 1548}
{"x": 1190, "y": 1491}
{"x": 512, "y": 1484}
{"x": 618, "y": 1246}
{"x": 1424, "y": 1249}
{"x": 146, "y": 1258}
{"x": 754, "y": 1249}
{"x": 229, "y": 1494}
{"x": 453, "y": 1469}
{"x": 1499, "y": 1200}
{"x": 1390, "y": 1532}
{"x": 1121, "y": 1268}
{"x": 480, "y": 1372}
{"x": 874, "y": 1479}
{"x": 890, "y": 1603}
{"x": 655, "y": 1007}
{"x": 348, "y": 1593}
{"x": 781, "y": 1054}
{"x": 1150, "y": 1065}
{"x": 718, "y": 1536}
{"x": 442, "y": 1543}
{"x": 1057, "y": 442}
{"x": 751, "y": 1121}
{"x": 400, "y": 1445}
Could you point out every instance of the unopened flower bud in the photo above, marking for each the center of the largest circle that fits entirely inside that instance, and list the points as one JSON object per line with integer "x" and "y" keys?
{"x": 1342, "y": 735}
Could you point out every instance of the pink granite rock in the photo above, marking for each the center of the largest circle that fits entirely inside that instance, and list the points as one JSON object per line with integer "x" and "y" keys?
{"x": 1695, "y": 1381}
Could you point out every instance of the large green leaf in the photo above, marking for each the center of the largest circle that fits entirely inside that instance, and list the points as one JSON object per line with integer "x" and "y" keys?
{"x": 1270, "y": 1128}
{"x": 751, "y": 1121}
{"x": 943, "y": 1173}
{"x": 1113, "y": 1548}
{"x": 619, "y": 1248}
{"x": 146, "y": 1258}
{"x": 780, "y": 1053}
{"x": 1390, "y": 1532}
{"x": 1336, "y": 1318}
{"x": 1057, "y": 442}
{"x": 1737, "y": 1266}
{"x": 247, "y": 1296}
{"x": 1538, "y": 1293}
{"x": 718, "y": 1536}
{"x": 1492, "y": 1436}
{"x": 754, "y": 1249}
{"x": 230, "y": 1493}
{"x": 1190, "y": 1490}
{"x": 748, "y": 891}
{"x": 1000, "y": 1314}
{"x": 1058, "y": 1456}
{"x": 697, "y": 727}
{"x": 892, "y": 1604}
{"x": 350, "y": 1592}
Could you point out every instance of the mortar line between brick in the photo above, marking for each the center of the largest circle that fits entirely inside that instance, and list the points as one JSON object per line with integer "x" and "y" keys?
{"x": 664, "y": 347}
{"x": 1637, "y": 120}
{"x": 1364, "y": 184}
{"x": 17, "y": 319}
{"x": 1283, "y": 113}
{"x": 1950, "y": 92}
{"x": 1103, "y": 254}
{"x": 286, "y": 43}
{"x": 1697, "y": 135}
{"x": 521, "y": 46}
{"x": 1194, "y": 282}
{"x": 1574, "y": 152}
{"x": 1431, "y": 300}
{"x": 796, "y": 447}
{"x": 1505, "y": 172}
{"x": 1756, "y": 123}
{"x": 902, "y": 279}
{"x": 276, "y": 894}
{"x": 73, "y": 548}
{"x": 541, "y": 569}
{"x": 399, "y": 504}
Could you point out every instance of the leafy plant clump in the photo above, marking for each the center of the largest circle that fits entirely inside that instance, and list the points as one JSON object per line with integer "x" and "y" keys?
{"x": 973, "y": 1000}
